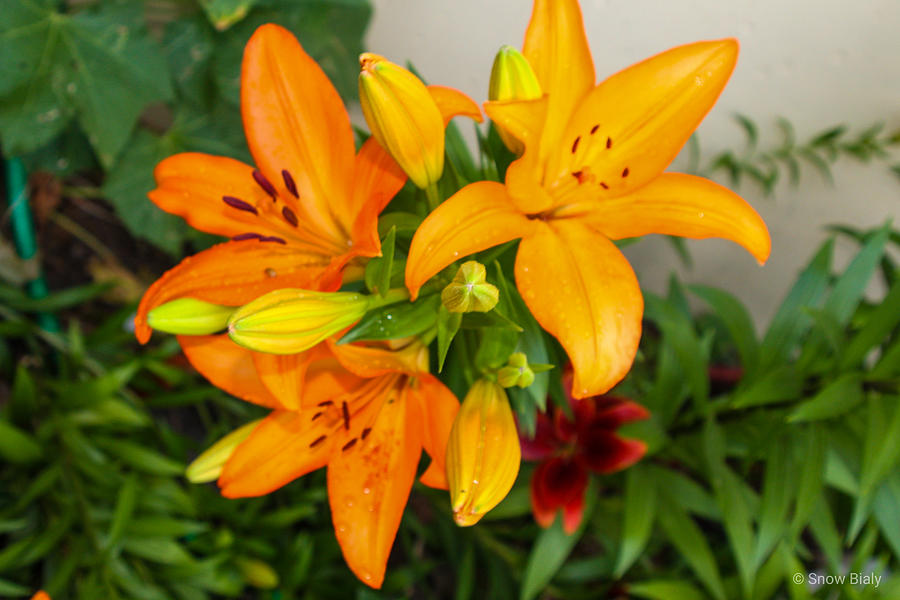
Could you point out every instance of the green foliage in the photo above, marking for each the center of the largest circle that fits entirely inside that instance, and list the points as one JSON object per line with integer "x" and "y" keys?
{"x": 766, "y": 167}
{"x": 97, "y": 82}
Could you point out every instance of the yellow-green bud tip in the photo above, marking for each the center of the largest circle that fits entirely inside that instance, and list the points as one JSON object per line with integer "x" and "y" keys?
{"x": 208, "y": 466}
{"x": 469, "y": 290}
{"x": 257, "y": 573}
{"x": 188, "y": 316}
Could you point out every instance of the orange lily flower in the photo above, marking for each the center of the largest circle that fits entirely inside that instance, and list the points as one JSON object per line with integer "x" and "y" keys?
{"x": 307, "y": 210}
{"x": 592, "y": 172}
{"x": 366, "y": 413}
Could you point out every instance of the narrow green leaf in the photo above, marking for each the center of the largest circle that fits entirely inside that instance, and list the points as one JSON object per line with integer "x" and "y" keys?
{"x": 777, "y": 384}
{"x": 157, "y": 549}
{"x": 665, "y": 590}
{"x": 851, "y": 285}
{"x": 447, "y": 326}
{"x": 17, "y": 446}
{"x": 736, "y": 319}
{"x": 141, "y": 458}
{"x": 550, "y": 550}
{"x": 777, "y": 493}
{"x": 640, "y": 512}
{"x": 688, "y": 539}
{"x": 396, "y": 320}
{"x": 810, "y": 452}
{"x": 222, "y": 14}
{"x": 884, "y": 507}
{"x": 125, "y": 503}
{"x": 878, "y": 325}
{"x": 837, "y": 398}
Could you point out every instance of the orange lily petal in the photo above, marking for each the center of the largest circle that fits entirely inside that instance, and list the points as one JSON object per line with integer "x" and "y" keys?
{"x": 377, "y": 179}
{"x": 438, "y": 406}
{"x": 283, "y": 375}
{"x": 679, "y": 204}
{"x": 524, "y": 120}
{"x": 368, "y": 486}
{"x": 557, "y": 49}
{"x": 228, "y": 367}
{"x": 372, "y": 361}
{"x": 41, "y": 595}
{"x": 475, "y": 218}
{"x": 582, "y": 290}
{"x": 327, "y": 378}
{"x": 453, "y": 103}
{"x": 631, "y": 126}
{"x": 284, "y": 446}
{"x": 295, "y": 121}
{"x": 235, "y": 273}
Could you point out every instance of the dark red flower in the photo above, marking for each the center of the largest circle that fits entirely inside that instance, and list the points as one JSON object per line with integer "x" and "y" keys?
{"x": 568, "y": 449}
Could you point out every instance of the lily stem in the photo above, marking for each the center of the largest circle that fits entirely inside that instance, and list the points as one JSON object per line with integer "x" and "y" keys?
{"x": 433, "y": 196}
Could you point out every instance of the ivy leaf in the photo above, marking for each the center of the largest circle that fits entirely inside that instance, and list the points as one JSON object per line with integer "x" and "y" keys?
{"x": 99, "y": 66}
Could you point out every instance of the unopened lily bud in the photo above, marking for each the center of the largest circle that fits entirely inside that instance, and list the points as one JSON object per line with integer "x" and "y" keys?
{"x": 469, "y": 291}
{"x": 288, "y": 321}
{"x": 516, "y": 372}
{"x": 188, "y": 316}
{"x": 257, "y": 573}
{"x": 483, "y": 453}
{"x": 512, "y": 78}
{"x": 208, "y": 466}
{"x": 403, "y": 117}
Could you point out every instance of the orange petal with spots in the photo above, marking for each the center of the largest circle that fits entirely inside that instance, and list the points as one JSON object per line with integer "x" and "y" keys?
{"x": 438, "y": 406}
{"x": 228, "y": 367}
{"x": 295, "y": 121}
{"x": 234, "y": 273}
{"x": 631, "y": 126}
{"x": 284, "y": 446}
{"x": 453, "y": 103}
{"x": 368, "y": 486}
{"x": 581, "y": 289}
{"x": 476, "y": 218}
{"x": 557, "y": 49}
{"x": 683, "y": 205}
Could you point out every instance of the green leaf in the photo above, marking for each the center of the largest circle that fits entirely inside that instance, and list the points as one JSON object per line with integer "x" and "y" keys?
{"x": 777, "y": 493}
{"x": 640, "y": 512}
{"x": 835, "y": 399}
{"x": 884, "y": 507}
{"x": 688, "y": 539}
{"x": 141, "y": 458}
{"x": 736, "y": 319}
{"x": 809, "y": 450}
{"x": 851, "y": 285}
{"x": 877, "y": 327}
{"x": 665, "y": 590}
{"x": 551, "y": 548}
{"x": 11, "y": 590}
{"x": 189, "y": 45}
{"x": 157, "y": 549}
{"x": 447, "y": 326}
{"x": 776, "y": 385}
{"x": 789, "y": 323}
{"x": 99, "y": 65}
{"x": 378, "y": 271}
{"x": 396, "y": 320}
{"x": 222, "y": 14}
{"x": 17, "y": 446}
{"x": 125, "y": 503}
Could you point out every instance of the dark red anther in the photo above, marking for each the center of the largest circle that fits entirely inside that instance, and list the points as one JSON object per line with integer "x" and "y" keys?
{"x": 239, "y": 204}
{"x": 365, "y": 433}
{"x": 264, "y": 183}
{"x": 317, "y": 441}
{"x": 348, "y": 445}
{"x": 289, "y": 215}
{"x": 604, "y": 186}
{"x": 272, "y": 238}
{"x": 289, "y": 183}
{"x": 317, "y": 415}
{"x": 625, "y": 172}
{"x": 575, "y": 144}
{"x": 608, "y": 143}
{"x": 246, "y": 236}
{"x": 595, "y": 128}
{"x": 346, "y": 412}
{"x": 579, "y": 175}
{"x": 326, "y": 403}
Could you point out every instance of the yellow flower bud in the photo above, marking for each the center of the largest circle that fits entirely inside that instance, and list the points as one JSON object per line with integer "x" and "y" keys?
{"x": 512, "y": 78}
{"x": 257, "y": 573}
{"x": 516, "y": 372}
{"x": 288, "y": 321}
{"x": 469, "y": 290}
{"x": 187, "y": 316}
{"x": 483, "y": 453}
{"x": 208, "y": 466}
{"x": 403, "y": 118}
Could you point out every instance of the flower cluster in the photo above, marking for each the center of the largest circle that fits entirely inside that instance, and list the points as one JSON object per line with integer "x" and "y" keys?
{"x": 285, "y": 313}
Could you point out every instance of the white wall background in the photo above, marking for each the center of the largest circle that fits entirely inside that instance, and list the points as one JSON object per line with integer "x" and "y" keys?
{"x": 816, "y": 62}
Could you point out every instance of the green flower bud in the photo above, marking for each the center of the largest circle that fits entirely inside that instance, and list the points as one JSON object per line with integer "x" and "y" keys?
{"x": 516, "y": 372}
{"x": 208, "y": 466}
{"x": 512, "y": 78}
{"x": 188, "y": 316}
{"x": 257, "y": 573}
{"x": 469, "y": 291}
